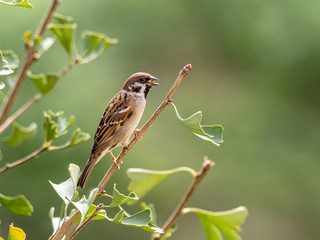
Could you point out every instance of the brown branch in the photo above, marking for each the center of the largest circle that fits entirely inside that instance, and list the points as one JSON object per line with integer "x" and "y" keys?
{"x": 87, "y": 221}
{"x": 60, "y": 232}
{"x": 67, "y": 68}
{"x": 19, "y": 112}
{"x": 206, "y": 166}
{"x": 28, "y": 60}
{"x": 23, "y": 160}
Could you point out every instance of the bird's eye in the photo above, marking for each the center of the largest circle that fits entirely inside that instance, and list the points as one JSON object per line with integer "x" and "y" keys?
{"x": 141, "y": 80}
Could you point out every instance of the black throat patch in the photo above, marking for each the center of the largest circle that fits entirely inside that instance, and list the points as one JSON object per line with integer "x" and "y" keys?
{"x": 146, "y": 91}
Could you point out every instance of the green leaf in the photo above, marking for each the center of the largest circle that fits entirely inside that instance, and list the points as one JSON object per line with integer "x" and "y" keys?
{"x": 62, "y": 19}
{"x": 17, "y": 204}
{"x": 74, "y": 171}
{"x": 143, "y": 180}
{"x": 217, "y": 223}
{"x": 66, "y": 190}
{"x": 209, "y": 133}
{"x": 55, "y": 125}
{"x": 11, "y": 58}
{"x": 141, "y": 219}
{"x": 54, "y": 220}
{"x": 23, "y": 3}
{"x": 84, "y": 204}
{"x": 44, "y": 83}
{"x": 101, "y": 214}
{"x": 21, "y": 134}
{"x": 4, "y": 66}
{"x": 43, "y": 45}
{"x": 77, "y": 137}
{"x": 119, "y": 198}
{"x": 95, "y": 44}
{"x": 16, "y": 233}
{"x": 65, "y": 34}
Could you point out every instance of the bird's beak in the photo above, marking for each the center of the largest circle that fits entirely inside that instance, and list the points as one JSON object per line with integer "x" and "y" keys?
{"x": 152, "y": 81}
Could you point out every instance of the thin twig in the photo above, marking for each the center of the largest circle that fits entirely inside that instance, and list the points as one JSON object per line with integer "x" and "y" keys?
{"x": 20, "y": 111}
{"x": 67, "y": 68}
{"x": 206, "y": 166}
{"x": 87, "y": 221}
{"x": 60, "y": 232}
{"x": 28, "y": 60}
{"x": 23, "y": 160}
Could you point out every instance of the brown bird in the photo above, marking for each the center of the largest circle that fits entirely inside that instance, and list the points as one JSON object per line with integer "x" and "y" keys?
{"x": 119, "y": 120}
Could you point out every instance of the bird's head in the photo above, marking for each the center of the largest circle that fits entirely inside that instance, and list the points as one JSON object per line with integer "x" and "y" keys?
{"x": 140, "y": 83}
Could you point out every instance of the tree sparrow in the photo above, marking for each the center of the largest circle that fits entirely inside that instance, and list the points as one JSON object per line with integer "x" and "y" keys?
{"x": 119, "y": 120}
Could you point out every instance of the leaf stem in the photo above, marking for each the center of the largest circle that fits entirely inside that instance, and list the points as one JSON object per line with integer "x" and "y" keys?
{"x": 28, "y": 61}
{"x": 206, "y": 166}
{"x": 60, "y": 232}
{"x": 19, "y": 112}
{"x": 67, "y": 68}
{"x": 23, "y": 160}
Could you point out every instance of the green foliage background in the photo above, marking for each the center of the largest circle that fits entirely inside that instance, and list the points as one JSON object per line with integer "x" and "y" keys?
{"x": 255, "y": 71}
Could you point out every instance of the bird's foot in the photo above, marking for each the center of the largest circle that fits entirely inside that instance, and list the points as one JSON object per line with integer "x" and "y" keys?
{"x": 137, "y": 134}
{"x": 114, "y": 159}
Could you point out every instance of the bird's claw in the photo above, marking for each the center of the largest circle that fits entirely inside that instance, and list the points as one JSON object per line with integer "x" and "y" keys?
{"x": 136, "y": 133}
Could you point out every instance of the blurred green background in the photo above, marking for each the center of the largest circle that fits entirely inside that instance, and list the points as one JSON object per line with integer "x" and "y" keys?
{"x": 255, "y": 71}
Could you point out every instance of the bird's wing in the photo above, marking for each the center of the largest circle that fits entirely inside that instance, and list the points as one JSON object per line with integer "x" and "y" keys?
{"x": 117, "y": 112}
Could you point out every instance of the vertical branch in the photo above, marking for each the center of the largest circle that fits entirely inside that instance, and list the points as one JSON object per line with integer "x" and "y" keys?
{"x": 206, "y": 166}
{"x": 28, "y": 60}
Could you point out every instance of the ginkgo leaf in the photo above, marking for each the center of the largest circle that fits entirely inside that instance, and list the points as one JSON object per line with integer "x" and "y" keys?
{"x": 95, "y": 45}
{"x": 66, "y": 190}
{"x": 11, "y": 58}
{"x": 17, "y": 204}
{"x": 84, "y": 203}
{"x": 143, "y": 180}
{"x": 62, "y": 19}
{"x": 209, "y": 133}
{"x": 44, "y": 83}
{"x": 141, "y": 219}
{"x": 77, "y": 137}
{"x": 119, "y": 198}
{"x": 4, "y": 66}
{"x": 54, "y": 220}
{"x": 16, "y": 233}
{"x": 65, "y": 34}
{"x": 56, "y": 125}
{"x": 43, "y": 45}
{"x": 23, "y": 3}
{"x": 21, "y": 134}
{"x": 226, "y": 223}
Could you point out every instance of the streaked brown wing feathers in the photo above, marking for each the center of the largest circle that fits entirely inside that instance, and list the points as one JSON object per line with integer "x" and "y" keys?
{"x": 114, "y": 116}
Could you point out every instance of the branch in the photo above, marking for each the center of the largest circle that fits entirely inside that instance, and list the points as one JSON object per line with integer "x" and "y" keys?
{"x": 20, "y": 111}
{"x": 87, "y": 221}
{"x": 206, "y": 166}
{"x": 28, "y": 61}
{"x": 23, "y": 160}
{"x": 60, "y": 232}
{"x": 67, "y": 68}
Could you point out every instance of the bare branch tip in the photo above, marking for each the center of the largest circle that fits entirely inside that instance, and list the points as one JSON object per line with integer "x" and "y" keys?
{"x": 207, "y": 163}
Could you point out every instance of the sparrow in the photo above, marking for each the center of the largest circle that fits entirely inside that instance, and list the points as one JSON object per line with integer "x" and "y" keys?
{"x": 119, "y": 120}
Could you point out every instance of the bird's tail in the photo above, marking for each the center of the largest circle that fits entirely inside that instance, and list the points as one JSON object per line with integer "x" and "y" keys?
{"x": 85, "y": 173}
